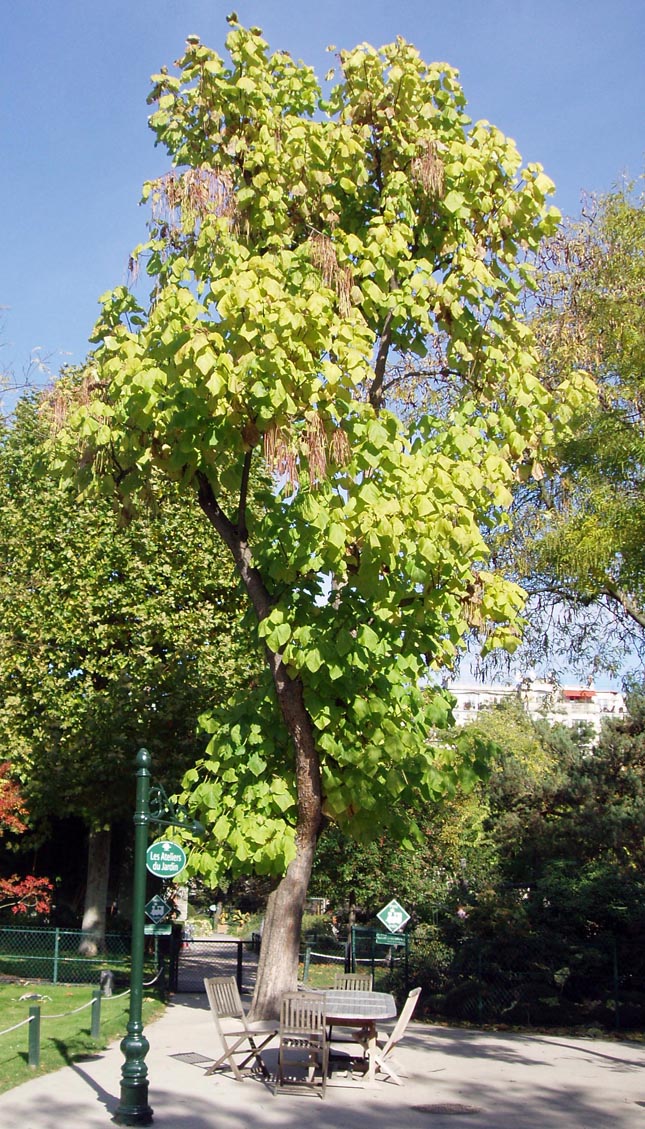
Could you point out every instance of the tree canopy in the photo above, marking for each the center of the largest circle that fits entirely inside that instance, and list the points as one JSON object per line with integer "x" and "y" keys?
{"x": 580, "y": 530}
{"x": 334, "y": 302}
{"x": 113, "y": 634}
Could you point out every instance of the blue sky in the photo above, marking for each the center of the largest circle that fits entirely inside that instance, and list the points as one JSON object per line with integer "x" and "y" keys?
{"x": 565, "y": 79}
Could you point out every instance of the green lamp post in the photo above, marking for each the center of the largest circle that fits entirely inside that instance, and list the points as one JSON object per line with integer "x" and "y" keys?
{"x": 133, "y": 1107}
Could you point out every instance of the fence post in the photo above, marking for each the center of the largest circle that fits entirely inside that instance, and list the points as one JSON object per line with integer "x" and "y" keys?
{"x": 56, "y": 954}
{"x": 34, "y": 1036}
{"x": 305, "y": 967}
{"x": 480, "y": 1000}
{"x": 616, "y": 984}
{"x": 354, "y": 936}
{"x": 95, "y": 1029}
{"x": 239, "y": 966}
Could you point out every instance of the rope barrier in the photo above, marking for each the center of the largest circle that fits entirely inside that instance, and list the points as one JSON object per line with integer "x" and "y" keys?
{"x": 157, "y": 976}
{"x": 35, "y": 1017}
{"x": 359, "y": 960}
{"x": 62, "y": 1014}
{"x": 17, "y": 1025}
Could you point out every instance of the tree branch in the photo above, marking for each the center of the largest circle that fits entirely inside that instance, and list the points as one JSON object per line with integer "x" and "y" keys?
{"x": 244, "y": 493}
{"x": 627, "y": 604}
{"x": 376, "y": 390}
{"x": 289, "y": 690}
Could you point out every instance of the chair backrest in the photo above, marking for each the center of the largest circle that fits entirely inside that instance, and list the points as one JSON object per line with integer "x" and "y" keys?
{"x": 402, "y": 1021}
{"x": 224, "y": 997}
{"x": 302, "y": 1013}
{"x": 353, "y": 981}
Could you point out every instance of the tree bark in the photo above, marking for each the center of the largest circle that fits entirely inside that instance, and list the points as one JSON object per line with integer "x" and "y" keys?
{"x": 98, "y": 872}
{"x": 278, "y": 966}
{"x": 279, "y": 953}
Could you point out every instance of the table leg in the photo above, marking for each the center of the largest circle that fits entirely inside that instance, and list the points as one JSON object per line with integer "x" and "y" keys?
{"x": 371, "y": 1054}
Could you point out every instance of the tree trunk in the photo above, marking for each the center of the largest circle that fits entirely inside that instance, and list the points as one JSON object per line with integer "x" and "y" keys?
{"x": 98, "y": 872}
{"x": 278, "y": 967}
{"x": 279, "y": 953}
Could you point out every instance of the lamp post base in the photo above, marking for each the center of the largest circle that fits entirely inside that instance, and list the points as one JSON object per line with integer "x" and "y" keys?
{"x": 133, "y": 1108}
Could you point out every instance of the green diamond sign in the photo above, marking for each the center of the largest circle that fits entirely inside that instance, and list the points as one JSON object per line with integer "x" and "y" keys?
{"x": 165, "y": 859}
{"x": 157, "y": 909}
{"x": 393, "y": 916}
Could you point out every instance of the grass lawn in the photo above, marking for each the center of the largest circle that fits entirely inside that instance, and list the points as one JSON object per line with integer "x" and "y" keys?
{"x": 321, "y": 975}
{"x": 62, "y": 1040}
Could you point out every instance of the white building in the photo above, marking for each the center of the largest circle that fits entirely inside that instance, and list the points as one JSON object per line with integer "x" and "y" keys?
{"x": 541, "y": 700}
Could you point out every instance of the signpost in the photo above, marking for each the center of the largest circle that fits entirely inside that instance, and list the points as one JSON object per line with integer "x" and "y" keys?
{"x": 371, "y": 946}
{"x": 164, "y": 859}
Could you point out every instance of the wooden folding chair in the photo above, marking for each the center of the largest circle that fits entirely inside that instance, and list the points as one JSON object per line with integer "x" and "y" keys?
{"x": 350, "y": 982}
{"x": 303, "y": 1039}
{"x": 385, "y": 1044}
{"x": 353, "y": 981}
{"x": 233, "y": 1027}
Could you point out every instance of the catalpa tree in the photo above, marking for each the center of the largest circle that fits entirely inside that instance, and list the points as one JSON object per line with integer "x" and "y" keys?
{"x": 332, "y": 331}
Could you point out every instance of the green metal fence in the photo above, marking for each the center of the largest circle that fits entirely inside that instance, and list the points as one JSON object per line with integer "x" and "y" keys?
{"x": 530, "y": 981}
{"x": 52, "y": 955}
{"x": 594, "y": 984}
{"x": 323, "y": 956}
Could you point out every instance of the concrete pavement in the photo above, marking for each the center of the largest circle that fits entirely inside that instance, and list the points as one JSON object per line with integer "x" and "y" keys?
{"x": 453, "y": 1077}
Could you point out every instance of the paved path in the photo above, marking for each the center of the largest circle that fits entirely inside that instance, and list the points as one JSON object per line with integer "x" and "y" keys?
{"x": 482, "y": 1080}
{"x": 216, "y": 955}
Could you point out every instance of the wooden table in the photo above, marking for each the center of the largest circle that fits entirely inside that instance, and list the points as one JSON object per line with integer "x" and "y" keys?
{"x": 360, "y": 1009}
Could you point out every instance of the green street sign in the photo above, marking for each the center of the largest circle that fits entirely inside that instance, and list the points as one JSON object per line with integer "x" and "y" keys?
{"x": 165, "y": 859}
{"x": 391, "y": 939}
{"x": 393, "y": 916}
{"x": 157, "y": 930}
{"x": 157, "y": 909}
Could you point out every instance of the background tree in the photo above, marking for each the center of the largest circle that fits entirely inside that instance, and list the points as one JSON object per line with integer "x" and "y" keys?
{"x": 544, "y": 921}
{"x": 580, "y": 533}
{"x": 560, "y": 915}
{"x": 302, "y": 250}
{"x": 27, "y": 892}
{"x": 359, "y": 879}
{"x": 583, "y": 817}
{"x": 113, "y": 635}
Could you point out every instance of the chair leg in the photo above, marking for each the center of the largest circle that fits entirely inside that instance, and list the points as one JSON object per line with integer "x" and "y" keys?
{"x": 237, "y": 1068}
{"x": 279, "y": 1079}
{"x": 232, "y": 1063}
{"x": 255, "y": 1053}
{"x": 325, "y": 1069}
{"x": 386, "y": 1068}
{"x": 317, "y": 1058}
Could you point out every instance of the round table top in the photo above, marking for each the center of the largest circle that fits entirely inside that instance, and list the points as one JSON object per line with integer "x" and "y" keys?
{"x": 358, "y": 1007}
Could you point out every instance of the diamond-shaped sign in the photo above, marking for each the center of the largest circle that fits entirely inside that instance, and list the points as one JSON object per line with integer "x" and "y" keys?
{"x": 157, "y": 909}
{"x": 393, "y": 916}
